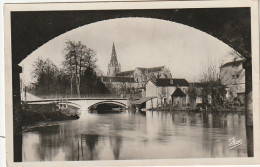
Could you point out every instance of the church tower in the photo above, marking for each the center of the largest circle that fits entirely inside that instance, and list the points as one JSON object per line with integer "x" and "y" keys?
{"x": 113, "y": 67}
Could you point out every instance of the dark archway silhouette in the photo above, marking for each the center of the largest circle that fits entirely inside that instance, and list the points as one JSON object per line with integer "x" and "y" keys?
{"x": 114, "y": 103}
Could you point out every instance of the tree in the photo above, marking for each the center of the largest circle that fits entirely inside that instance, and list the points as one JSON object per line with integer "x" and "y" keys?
{"x": 91, "y": 83}
{"x": 213, "y": 90}
{"x": 79, "y": 73}
{"x": 193, "y": 94}
{"x": 78, "y": 59}
{"x": 45, "y": 73}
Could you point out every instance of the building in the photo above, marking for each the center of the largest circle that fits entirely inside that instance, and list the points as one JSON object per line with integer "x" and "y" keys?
{"x": 167, "y": 91}
{"x": 113, "y": 66}
{"x": 142, "y": 75}
{"x": 120, "y": 85}
{"x": 137, "y": 77}
{"x": 233, "y": 77}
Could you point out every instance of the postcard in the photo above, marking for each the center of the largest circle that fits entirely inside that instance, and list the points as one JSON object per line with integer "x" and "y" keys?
{"x": 132, "y": 83}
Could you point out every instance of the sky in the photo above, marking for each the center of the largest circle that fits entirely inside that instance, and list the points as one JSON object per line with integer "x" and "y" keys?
{"x": 139, "y": 42}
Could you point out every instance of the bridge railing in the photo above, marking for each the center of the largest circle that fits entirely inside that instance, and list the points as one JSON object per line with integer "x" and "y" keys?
{"x": 61, "y": 96}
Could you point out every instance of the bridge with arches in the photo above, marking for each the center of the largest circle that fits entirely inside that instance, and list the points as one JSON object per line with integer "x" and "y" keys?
{"x": 83, "y": 103}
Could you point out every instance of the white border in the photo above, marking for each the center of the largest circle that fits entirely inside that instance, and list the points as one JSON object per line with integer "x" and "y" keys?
{"x": 132, "y": 5}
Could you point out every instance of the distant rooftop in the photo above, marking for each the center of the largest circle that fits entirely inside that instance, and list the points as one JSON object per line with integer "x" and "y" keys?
{"x": 197, "y": 84}
{"x": 117, "y": 79}
{"x": 178, "y": 93}
{"x": 152, "y": 69}
{"x": 232, "y": 63}
{"x": 170, "y": 82}
{"x": 124, "y": 73}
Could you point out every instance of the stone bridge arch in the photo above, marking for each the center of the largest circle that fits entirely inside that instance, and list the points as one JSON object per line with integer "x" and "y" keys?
{"x": 86, "y": 104}
{"x": 116, "y": 103}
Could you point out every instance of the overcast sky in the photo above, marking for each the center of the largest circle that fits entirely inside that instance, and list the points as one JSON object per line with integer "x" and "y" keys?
{"x": 139, "y": 42}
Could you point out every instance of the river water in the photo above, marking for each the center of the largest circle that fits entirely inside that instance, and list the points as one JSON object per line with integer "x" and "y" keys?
{"x": 134, "y": 135}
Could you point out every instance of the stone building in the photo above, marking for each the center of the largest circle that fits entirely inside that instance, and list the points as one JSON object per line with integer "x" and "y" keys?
{"x": 136, "y": 78}
{"x": 142, "y": 75}
{"x": 167, "y": 91}
{"x": 233, "y": 77}
{"x": 120, "y": 85}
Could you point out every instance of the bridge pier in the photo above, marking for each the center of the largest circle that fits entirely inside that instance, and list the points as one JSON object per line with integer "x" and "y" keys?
{"x": 247, "y": 65}
{"x": 17, "y": 115}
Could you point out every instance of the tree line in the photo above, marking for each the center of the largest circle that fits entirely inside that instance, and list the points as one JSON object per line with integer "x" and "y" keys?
{"x": 210, "y": 88}
{"x": 78, "y": 75}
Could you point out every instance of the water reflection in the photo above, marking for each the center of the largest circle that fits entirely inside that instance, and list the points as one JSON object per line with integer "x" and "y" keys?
{"x": 135, "y": 135}
{"x": 91, "y": 141}
{"x": 116, "y": 144}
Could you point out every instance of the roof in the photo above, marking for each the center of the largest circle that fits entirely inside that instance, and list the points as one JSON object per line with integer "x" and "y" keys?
{"x": 143, "y": 100}
{"x": 171, "y": 82}
{"x": 232, "y": 63}
{"x": 117, "y": 79}
{"x": 153, "y": 80}
{"x": 124, "y": 73}
{"x": 178, "y": 93}
{"x": 153, "y": 69}
{"x": 197, "y": 84}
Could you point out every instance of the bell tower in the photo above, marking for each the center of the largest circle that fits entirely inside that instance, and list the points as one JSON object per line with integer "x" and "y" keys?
{"x": 113, "y": 66}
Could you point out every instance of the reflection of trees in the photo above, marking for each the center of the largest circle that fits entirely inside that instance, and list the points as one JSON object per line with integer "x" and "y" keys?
{"x": 53, "y": 139}
{"x": 217, "y": 132}
{"x": 116, "y": 144}
{"x": 50, "y": 141}
{"x": 91, "y": 141}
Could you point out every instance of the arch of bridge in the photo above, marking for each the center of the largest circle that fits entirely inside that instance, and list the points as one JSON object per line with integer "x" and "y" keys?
{"x": 86, "y": 103}
{"x": 230, "y": 25}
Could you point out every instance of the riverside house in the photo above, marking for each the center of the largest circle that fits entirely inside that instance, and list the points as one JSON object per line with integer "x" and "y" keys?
{"x": 166, "y": 91}
{"x": 233, "y": 77}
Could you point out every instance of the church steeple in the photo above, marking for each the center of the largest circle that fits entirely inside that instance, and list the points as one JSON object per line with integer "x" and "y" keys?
{"x": 113, "y": 67}
{"x": 113, "y": 59}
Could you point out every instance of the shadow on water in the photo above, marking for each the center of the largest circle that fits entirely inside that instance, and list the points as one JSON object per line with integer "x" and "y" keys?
{"x": 106, "y": 111}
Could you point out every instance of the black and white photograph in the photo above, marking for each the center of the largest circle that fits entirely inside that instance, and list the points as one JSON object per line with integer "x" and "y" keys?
{"x": 131, "y": 81}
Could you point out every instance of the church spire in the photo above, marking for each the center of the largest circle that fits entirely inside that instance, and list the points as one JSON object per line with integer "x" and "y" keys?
{"x": 113, "y": 67}
{"x": 113, "y": 50}
{"x": 113, "y": 59}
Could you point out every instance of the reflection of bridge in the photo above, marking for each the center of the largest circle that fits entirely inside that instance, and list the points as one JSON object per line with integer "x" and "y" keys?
{"x": 82, "y": 103}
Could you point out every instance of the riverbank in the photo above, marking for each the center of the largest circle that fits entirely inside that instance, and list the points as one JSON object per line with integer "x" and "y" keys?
{"x": 33, "y": 113}
{"x": 189, "y": 109}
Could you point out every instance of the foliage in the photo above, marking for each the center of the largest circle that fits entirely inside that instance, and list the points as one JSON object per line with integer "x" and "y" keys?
{"x": 213, "y": 91}
{"x": 79, "y": 73}
{"x": 78, "y": 59}
{"x": 45, "y": 74}
{"x": 193, "y": 93}
{"x": 91, "y": 83}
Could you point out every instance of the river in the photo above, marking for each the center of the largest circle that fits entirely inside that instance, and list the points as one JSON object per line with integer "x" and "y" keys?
{"x": 133, "y": 135}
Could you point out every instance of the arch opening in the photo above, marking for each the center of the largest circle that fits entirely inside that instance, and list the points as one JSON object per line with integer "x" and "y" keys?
{"x": 107, "y": 106}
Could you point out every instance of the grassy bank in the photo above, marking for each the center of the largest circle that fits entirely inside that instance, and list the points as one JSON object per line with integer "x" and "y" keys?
{"x": 32, "y": 113}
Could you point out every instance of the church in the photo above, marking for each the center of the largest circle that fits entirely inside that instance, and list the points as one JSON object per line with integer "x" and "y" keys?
{"x": 137, "y": 77}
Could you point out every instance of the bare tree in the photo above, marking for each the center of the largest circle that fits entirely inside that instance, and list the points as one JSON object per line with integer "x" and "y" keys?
{"x": 78, "y": 58}
{"x": 213, "y": 90}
